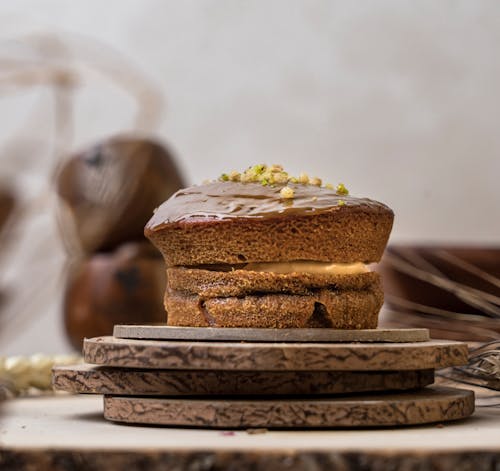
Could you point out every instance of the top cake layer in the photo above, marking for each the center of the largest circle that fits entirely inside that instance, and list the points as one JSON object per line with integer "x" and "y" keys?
{"x": 229, "y": 200}
{"x": 237, "y": 223}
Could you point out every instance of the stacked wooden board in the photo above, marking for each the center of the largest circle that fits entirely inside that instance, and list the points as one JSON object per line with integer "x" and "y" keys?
{"x": 269, "y": 378}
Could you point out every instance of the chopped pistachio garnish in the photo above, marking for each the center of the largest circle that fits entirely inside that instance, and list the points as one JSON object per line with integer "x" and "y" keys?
{"x": 247, "y": 177}
{"x": 275, "y": 175}
{"x": 235, "y": 176}
{"x": 304, "y": 178}
{"x": 341, "y": 189}
{"x": 258, "y": 169}
{"x": 280, "y": 177}
{"x": 287, "y": 193}
{"x": 340, "y": 203}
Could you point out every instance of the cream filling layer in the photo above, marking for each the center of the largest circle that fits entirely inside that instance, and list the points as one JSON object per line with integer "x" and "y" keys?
{"x": 309, "y": 267}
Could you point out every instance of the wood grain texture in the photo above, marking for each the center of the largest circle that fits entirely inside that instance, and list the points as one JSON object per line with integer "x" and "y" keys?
{"x": 27, "y": 459}
{"x": 418, "y": 407}
{"x": 164, "y": 354}
{"x": 164, "y": 332}
{"x": 123, "y": 381}
{"x": 67, "y": 432}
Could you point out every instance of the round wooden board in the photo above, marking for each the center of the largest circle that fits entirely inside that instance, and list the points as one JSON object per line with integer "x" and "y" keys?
{"x": 123, "y": 381}
{"x": 165, "y": 354}
{"x": 164, "y": 332}
{"x": 411, "y": 408}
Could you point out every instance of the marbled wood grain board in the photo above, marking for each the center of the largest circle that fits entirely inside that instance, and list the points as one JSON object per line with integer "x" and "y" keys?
{"x": 165, "y": 332}
{"x": 135, "y": 382}
{"x": 165, "y": 354}
{"x": 411, "y": 408}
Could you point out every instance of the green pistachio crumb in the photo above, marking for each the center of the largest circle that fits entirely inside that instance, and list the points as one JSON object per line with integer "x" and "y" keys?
{"x": 258, "y": 169}
{"x": 340, "y": 203}
{"x": 341, "y": 189}
{"x": 235, "y": 176}
{"x": 304, "y": 178}
{"x": 280, "y": 177}
{"x": 275, "y": 175}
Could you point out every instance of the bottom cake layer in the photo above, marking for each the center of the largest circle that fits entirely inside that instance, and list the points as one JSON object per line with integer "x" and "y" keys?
{"x": 339, "y": 309}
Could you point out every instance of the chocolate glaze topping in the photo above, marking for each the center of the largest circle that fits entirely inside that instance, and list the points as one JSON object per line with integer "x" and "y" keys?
{"x": 228, "y": 200}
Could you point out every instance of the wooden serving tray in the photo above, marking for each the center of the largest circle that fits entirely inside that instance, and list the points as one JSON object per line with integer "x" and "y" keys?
{"x": 227, "y": 356}
{"x": 89, "y": 379}
{"x": 251, "y": 378}
{"x": 427, "y": 405}
{"x": 165, "y": 332}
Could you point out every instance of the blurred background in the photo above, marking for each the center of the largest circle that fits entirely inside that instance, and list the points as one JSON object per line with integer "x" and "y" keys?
{"x": 397, "y": 99}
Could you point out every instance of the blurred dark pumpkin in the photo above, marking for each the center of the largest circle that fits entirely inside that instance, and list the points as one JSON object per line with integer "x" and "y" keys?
{"x": 7, "y": 203}
{"x": 110, "y": 190}
{"x": 121, "y": 287}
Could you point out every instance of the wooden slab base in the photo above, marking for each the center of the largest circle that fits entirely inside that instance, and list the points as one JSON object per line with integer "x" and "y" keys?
{"x": 164, "y": 332}
{"x": 424, "y": 406}
{"x": 122, "y": 381}
{"x": 224, "y": 356}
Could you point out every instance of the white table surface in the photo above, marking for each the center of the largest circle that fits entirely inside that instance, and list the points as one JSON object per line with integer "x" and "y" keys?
{"x": 76, "y": 423}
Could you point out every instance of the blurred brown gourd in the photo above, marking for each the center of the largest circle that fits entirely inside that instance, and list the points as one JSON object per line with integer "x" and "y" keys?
{"x": 121, "y": 287}
{"x": 108, "y": 193}
{"x": 7, "y": 203}
{"x": 110, "y": 190}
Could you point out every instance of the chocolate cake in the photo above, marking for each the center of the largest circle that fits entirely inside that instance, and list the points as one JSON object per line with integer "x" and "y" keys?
{"x": 263, "y": 249}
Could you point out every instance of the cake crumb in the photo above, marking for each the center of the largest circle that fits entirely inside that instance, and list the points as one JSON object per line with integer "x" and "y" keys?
{"x": 304, "y": 178}
{"x": 235, "y": 176}
{"x": 286, "y": 192}
{"x": 341, "y": 189}
{"x": 256, "y": 431}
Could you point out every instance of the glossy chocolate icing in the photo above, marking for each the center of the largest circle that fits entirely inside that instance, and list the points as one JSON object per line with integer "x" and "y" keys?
{"x": 229, "y": 200}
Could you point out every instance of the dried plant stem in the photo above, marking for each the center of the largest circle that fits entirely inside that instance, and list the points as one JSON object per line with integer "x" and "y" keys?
{"x": 464, "y": 265}
{"x": 21, "y": 375}
{"x": 461, "y": 329}
{"x": 417, "y": 307}
{"x": 483, "y": 368}
{"x": 477, "y": 298}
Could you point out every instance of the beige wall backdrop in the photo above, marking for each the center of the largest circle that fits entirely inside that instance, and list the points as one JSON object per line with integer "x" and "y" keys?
{"x": 400, "y": 100}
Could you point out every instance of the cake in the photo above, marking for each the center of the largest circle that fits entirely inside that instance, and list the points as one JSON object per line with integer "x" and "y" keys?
{"x": 263, "y": 249}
